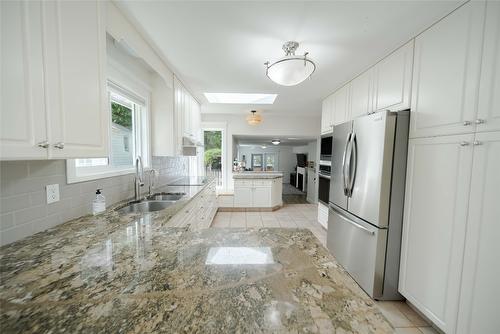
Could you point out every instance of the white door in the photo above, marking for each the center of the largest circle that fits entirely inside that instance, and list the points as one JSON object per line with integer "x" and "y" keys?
{"x": 361, "y": 94}
{"x": 393, "y": 80}
{"x": 341, "y": 105}
{"x": 22, "y": 104}
{"x": 262, "y": 197}
{"x": 77, "y": 101}
{"x": 446, "y": 73}
{"x": 243, "y": 196}
{"x": 435, "y": 214}
{"x": 481, "y": 269}
{"x": 488, "y": 114}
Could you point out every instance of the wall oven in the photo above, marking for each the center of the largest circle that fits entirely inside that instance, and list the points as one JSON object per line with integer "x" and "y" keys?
{"x": 324, "y": 181}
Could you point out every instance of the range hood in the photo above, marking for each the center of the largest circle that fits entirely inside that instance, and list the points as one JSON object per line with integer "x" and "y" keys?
{"x": 190, "y": 147}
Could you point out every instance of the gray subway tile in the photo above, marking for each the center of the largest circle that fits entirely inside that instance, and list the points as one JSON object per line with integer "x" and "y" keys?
{"x": 30, "y": 214}
{"x": 39, "y": 168}
{"x": 6, "y": 221}
{"x": 13, "y": 203}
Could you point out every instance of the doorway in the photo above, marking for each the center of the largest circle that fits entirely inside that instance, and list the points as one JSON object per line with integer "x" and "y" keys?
{"x": 213, "y": 155}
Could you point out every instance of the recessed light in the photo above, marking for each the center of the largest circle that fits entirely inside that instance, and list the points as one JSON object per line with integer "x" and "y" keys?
{"x": 263, "y": 146}
{"x": 240, "y": 98}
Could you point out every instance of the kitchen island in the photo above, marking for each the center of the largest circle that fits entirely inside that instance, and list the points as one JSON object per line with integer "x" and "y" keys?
{"x": 259, "y": 191}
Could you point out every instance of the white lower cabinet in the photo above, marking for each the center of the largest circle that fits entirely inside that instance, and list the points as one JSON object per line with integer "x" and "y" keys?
{"x": 479, "y": 294}
{"x": 258, "y": 193}
{"x": 435, "y": 215}
{"x": 449, "y": 259}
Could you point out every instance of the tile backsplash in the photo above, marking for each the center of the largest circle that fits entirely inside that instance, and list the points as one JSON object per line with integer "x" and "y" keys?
{"x": 23, "y": 206}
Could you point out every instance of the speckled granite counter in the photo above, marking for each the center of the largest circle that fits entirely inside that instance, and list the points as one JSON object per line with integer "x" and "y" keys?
{"x": 257, "y": 175}
{"x": 136, "y": 274}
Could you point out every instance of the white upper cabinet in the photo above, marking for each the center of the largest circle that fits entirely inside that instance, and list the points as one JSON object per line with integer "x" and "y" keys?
{"x": 326, "y": 115}
{"x": 76, "y": 82}
{"x": 361, "y": 96}
{"x": 340, "y": 106}
{"x": 436, "y": 198}
{"x": 488, "y": 114}
{"x": 53, "y": 102}
{"x": 187, "y": 113}
{"x": 446, "y": 74}
{"x": 162, "y": 113}
{"x": 393, "y": 80}
{"x": 22, "y": 108}
{"x": 478, "y": 311}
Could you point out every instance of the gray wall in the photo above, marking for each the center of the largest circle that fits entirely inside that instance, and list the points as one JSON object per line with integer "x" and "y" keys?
{"x": 23, "y": 207}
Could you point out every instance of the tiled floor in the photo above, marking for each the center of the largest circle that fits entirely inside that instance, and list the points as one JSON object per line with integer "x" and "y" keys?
{"x": 403, "y": 318}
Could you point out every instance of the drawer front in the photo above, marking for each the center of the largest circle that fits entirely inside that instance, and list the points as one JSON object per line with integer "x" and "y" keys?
{"x": 263, "y": 183}
{"x": 243, "y": 183}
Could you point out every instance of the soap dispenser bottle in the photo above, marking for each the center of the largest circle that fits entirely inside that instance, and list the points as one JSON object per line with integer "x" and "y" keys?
{"x": 99, "y": 203}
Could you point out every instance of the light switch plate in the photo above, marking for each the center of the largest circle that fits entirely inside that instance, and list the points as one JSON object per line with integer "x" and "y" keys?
{"x": 52, "y": 193}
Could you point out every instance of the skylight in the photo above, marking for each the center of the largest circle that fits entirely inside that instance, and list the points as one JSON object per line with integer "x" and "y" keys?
{"x": 240, "y": 98}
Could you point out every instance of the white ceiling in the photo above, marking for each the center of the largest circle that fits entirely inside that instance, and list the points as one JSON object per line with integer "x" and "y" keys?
{"x": 221, "y": 46}
{"x": 266, "y": 140}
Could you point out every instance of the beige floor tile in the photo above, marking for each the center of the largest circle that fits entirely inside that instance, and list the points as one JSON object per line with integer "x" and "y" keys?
{"x": 221, "y": 223}
{"x": 287, "y": 223}
{"x": 413, "y": 316}
{"x": 394, "y": 315}
{"x": 409, "y": 330}
{"x": 238, "y": 223}
{"x": 271, "y": 223}
{"x": 254, "y": 222}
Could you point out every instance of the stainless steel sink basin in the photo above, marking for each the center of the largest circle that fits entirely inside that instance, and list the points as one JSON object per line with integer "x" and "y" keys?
{"x": 145, "y": 206}
{"x": 166, "y": 196}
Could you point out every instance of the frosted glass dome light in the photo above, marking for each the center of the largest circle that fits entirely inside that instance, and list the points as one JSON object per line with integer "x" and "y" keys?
{"x": 291, "y": 69}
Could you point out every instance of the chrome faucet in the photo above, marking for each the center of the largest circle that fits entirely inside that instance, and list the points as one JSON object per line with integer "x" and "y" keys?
{"x": 139, "y": 178}
{"x": 151, "y": 180}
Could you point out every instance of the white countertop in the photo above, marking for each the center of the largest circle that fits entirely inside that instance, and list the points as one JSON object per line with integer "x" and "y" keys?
{"x": 257, "y": 175}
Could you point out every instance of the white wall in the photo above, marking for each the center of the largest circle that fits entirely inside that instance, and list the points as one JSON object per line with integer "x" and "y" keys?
{"x": 286, "y": 159}
{"x": 272, "y": 125}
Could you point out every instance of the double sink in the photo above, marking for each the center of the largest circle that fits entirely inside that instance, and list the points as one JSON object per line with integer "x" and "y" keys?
{"x": 155, "y": 202}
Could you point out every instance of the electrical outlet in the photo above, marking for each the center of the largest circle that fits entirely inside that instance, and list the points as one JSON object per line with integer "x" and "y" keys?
{"x": 52, "y": 193}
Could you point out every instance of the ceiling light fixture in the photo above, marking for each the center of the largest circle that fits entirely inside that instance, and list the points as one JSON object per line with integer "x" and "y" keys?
{"x": 291, "y": 69}
{"x": 276, "y": 141}
{"x": 254, "y": 118}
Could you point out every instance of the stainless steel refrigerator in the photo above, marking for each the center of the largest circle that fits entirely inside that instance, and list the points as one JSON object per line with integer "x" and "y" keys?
{"x": 366, "y": 199}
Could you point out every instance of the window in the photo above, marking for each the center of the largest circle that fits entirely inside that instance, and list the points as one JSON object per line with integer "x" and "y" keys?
{"x": 270, "y": 161}
{"x": 128, "y": 132}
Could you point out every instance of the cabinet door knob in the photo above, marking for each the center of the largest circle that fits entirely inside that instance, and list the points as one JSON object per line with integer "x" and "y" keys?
{"x": 477, "y": 143}
{"x": 479, "y": 121}
{"x": 59, "y": 145}
{"x": 467, "y": 123}
{"x": 43, "y": 144}
{"x": 464, "y": 143}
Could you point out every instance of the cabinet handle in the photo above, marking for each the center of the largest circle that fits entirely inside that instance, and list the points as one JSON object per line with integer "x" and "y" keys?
{"x": 467, "y": 123}
{"x": 43, "y": 144}
{"x": 479, "y": 121}
{"x": 477, "y": 143}
{"x": 464, "y": 143}
{"x": 59, "y": 145}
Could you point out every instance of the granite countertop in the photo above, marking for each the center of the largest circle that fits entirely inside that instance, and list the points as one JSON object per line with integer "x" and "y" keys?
{"x": 136, "y": 274}
{"x": 257, "y": 175}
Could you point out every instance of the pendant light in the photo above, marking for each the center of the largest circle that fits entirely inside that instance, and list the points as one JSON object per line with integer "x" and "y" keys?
{"x": 291, "y": 69}
{"x": 275, "y": 141}
{"x": 254, "y": 118}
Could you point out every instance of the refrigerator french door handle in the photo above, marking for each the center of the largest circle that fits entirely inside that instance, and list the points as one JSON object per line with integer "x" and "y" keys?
{"x": 354, "y": 156}
{"x": 344, "y": 161}
{"x": 361, "y": 227}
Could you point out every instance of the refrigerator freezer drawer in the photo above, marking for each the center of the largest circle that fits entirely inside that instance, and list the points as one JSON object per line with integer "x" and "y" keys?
{"x": 359, "y": 247}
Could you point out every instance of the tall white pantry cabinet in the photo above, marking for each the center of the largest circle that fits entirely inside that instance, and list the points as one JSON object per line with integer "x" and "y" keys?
{"x": 449, "y": 259}
{"x": 53, "y": 88}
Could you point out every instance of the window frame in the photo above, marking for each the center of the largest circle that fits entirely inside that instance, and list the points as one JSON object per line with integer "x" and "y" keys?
{"x": 142, "y": 135}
